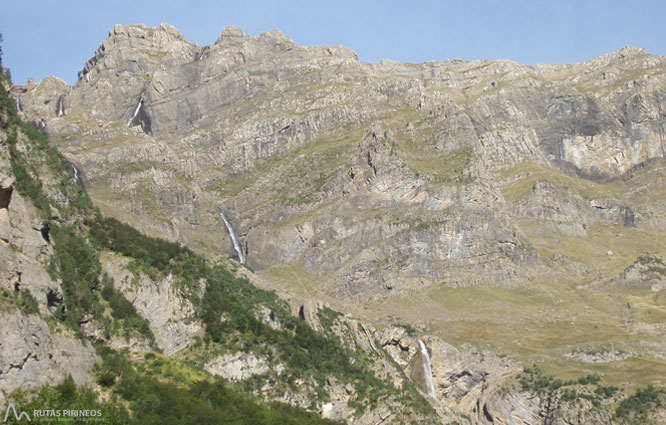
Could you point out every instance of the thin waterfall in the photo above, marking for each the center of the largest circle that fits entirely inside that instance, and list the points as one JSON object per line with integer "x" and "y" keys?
{"x": 75, "y": 172}
{"x": 136, "y": 112}
{"x": 232, "y": 235}
{"x": 203, "y": 53}
{"x": 427, "y": 370}
{"x": 18, "y": 104}
{"x": 61, "y": 108}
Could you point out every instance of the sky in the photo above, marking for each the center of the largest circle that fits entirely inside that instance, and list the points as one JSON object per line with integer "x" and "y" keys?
{"x": 56, "y": 37}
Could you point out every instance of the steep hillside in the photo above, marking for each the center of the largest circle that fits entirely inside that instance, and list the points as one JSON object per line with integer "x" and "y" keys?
{"x": 503, "y": 214}
{"x": 154, "y": 330}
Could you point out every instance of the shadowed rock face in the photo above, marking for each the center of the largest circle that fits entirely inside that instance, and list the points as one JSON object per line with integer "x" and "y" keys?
{"x": 375, "y": 178}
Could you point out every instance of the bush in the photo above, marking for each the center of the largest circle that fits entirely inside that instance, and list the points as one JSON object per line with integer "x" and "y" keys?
{"x": 637, "y": 407}
{"x": 156, "y": 257}
{"x": 124, "y": 311}
{"x": 76, "y": 263}
{"x": 67, "y": 396}
{"x": 26, "y": 302}
{"x": 589, "y": 379}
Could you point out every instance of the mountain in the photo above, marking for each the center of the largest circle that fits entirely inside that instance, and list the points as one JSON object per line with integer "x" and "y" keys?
{"x": 141, "y": 330}
{"x": 502, "y": 214}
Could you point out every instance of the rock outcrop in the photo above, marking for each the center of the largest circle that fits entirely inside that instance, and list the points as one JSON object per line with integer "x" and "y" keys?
{"x": 32, "y": 356}
{"x": 171, "y": 315}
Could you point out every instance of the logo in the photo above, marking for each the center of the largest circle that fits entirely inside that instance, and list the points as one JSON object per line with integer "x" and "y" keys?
{"x": 16, "y": 415}
{"x": 53, "y": 415}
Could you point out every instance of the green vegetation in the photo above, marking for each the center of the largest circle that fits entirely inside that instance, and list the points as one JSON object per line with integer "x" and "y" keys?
{"x": 33, "y": 158}
{"x": 152, "y": 401}
{"x": 533, "y": 379}
{"x": 124, "y": 312}
{"x": 26, "y": 302}
{"x": 524, "y": 176}
{"x": 156, "y": 395}
{"x": 155, "y": 257}
{"x": 4, "y": 72}
{"x": 656, "y": 263}
{"x": 636, "y": 408}
{"x": 411, "y": 331}
{"x": 204, "y": 402}
{"x": 23, "y": 300}
{"x": 228, "y": 310}
{"x": 67, "y": 396}
{"x": 447, "y": 168}
{"x": 75, "y": 262}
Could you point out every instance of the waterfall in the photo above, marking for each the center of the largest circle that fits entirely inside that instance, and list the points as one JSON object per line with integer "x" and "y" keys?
{"x": 136, "y": 112}
{"x": 202, "y": 56}
{"x": 18, "y": 104}
{"x": 232, "y": 235}
{"x": 76, "y": 174}
{"x": 427, "y": 370}
{"x": 61, "y": 109}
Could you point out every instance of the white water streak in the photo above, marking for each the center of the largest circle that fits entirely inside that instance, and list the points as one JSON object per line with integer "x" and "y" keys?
{"x": 427, "y": 370}
{"x": 18, "y": 104}
{"x": 232, "y": 235}
{"x": 136, "y": 112}
{"x": 76, "y": 174}
{"x": 61, "y": 110}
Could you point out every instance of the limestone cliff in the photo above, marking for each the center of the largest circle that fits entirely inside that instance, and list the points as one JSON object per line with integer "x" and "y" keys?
{"x": 512, "y": 214}
{"x": 336, "y": 166}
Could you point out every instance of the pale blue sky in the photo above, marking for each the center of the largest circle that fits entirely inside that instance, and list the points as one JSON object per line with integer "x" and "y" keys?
{"x": 57, "y": 37}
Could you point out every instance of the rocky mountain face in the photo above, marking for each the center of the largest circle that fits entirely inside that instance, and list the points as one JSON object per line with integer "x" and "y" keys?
{"x": 374, "y": 178}
{"x": 32, "y": 353}
{"x": 505, "y": 214}
{"x": 81, "y": 297}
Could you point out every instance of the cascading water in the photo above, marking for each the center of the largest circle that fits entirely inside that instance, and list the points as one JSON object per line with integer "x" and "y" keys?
{"x": 76, "y": 174}
{"x": 232, "y": 235}
{"x": 61, "y": 109}
{"x": 427, "y": 370}
{"x": 18, "y": 104}
{"x": 136, "y": 112}
{"x": 202, "y": 56}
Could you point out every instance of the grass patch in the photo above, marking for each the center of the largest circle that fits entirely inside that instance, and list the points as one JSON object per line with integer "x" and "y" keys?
{"x": 446, "y": 168}
{"x": 522, "y": 178}
{"x": 626, "y": 243}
